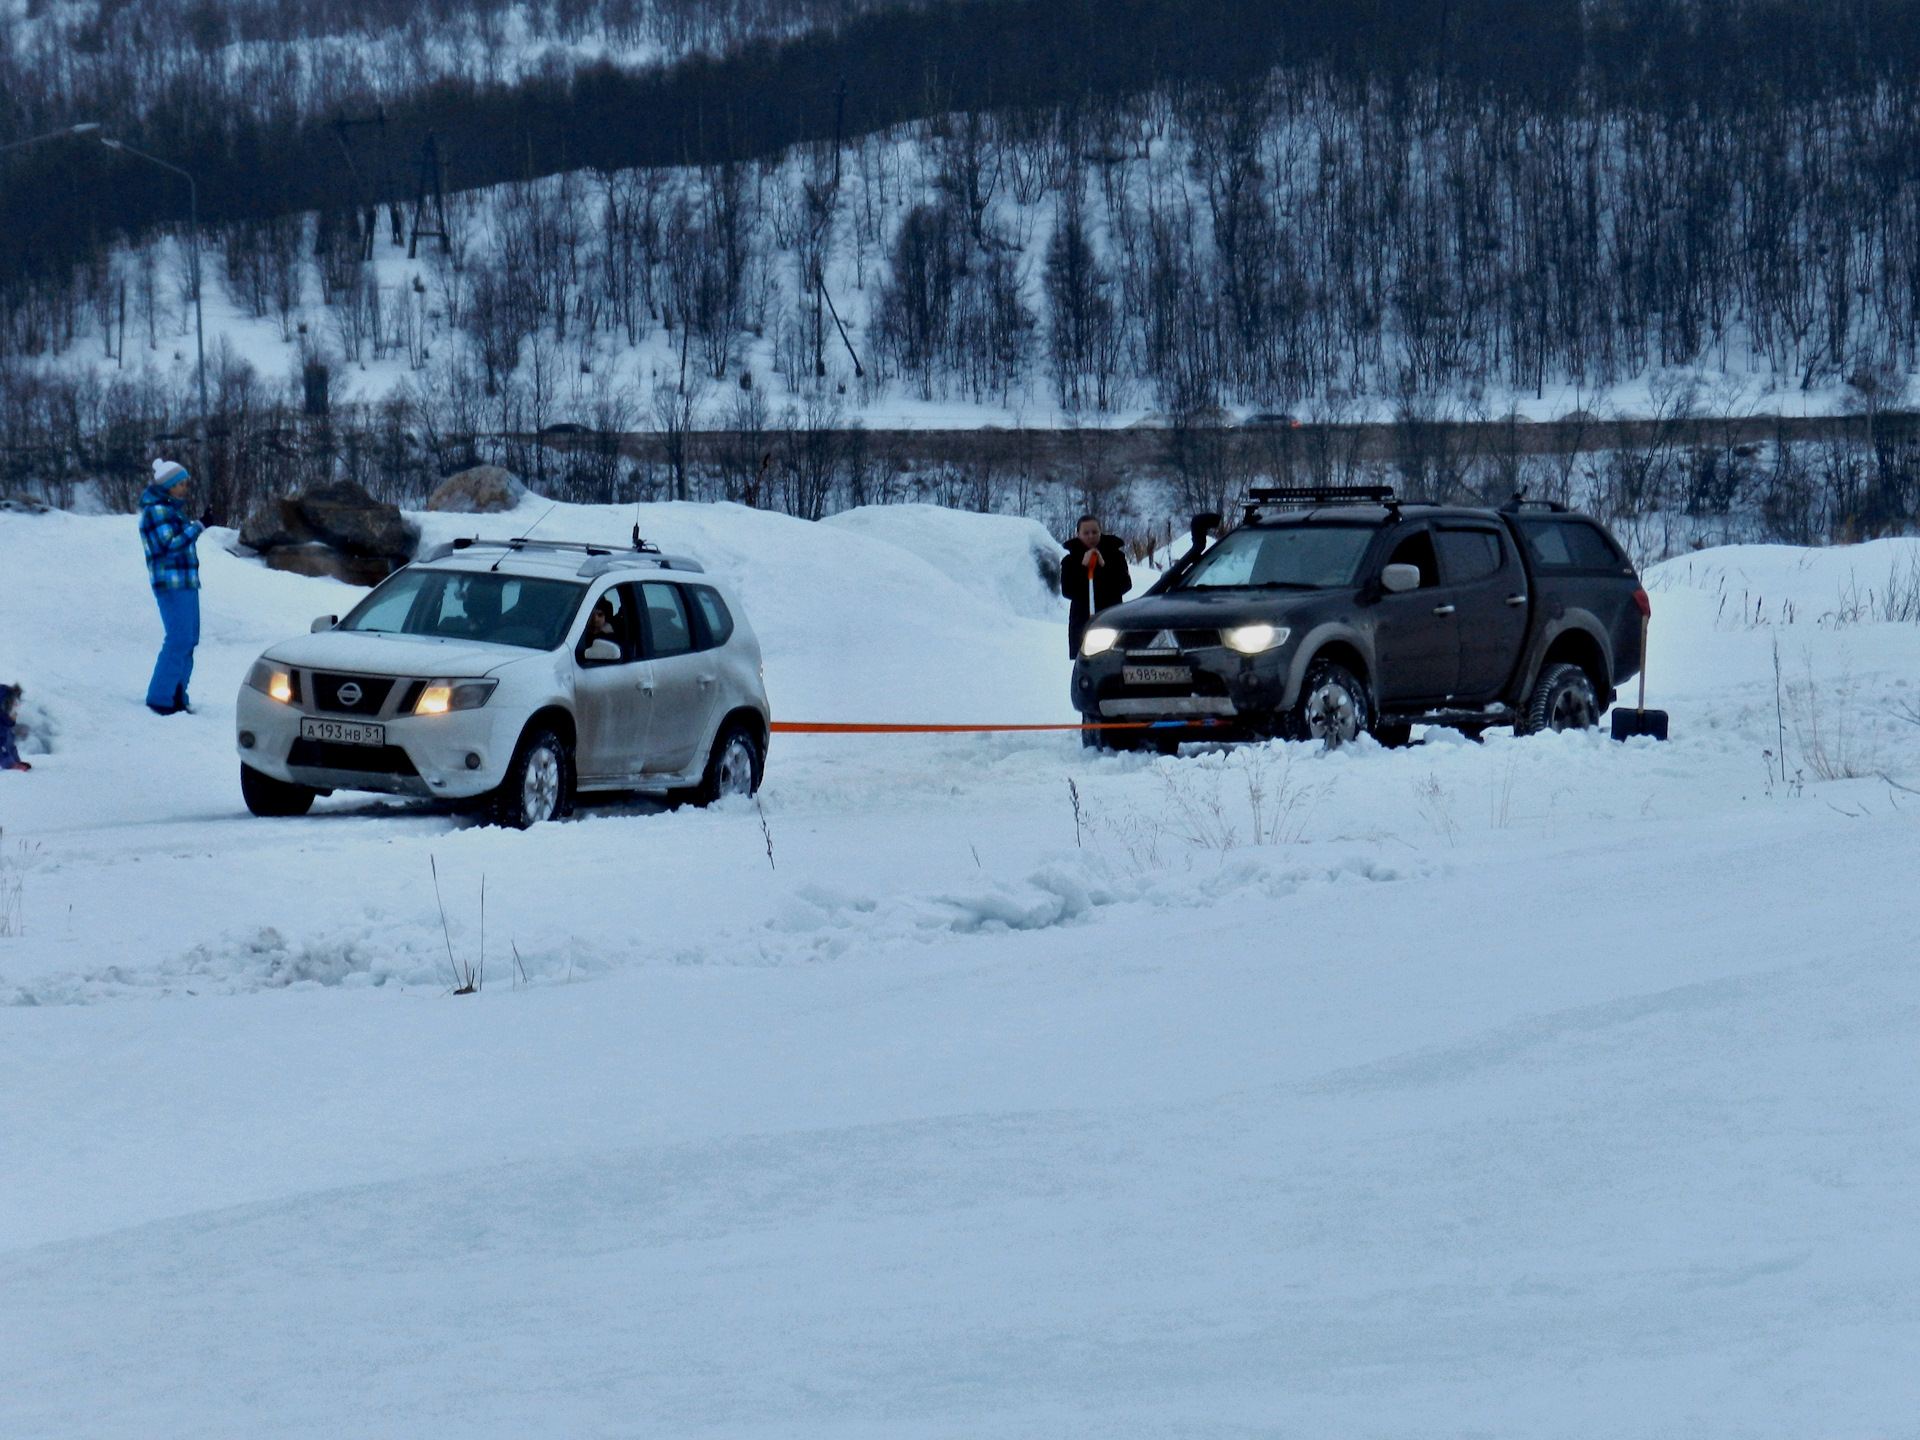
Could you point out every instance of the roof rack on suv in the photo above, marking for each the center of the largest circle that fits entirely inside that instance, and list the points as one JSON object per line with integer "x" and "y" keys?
{"x": 1320, "y": 495}
{"x": 599, "y": 557}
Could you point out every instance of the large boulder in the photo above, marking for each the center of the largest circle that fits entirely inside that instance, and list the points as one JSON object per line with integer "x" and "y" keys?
{"x": 345, "y": 516}
{"x": 483, "y": 490}
{"x": 333, "y": 529}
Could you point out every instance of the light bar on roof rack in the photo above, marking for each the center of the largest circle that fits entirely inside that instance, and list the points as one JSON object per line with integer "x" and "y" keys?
{"x": 1323, "y": 495}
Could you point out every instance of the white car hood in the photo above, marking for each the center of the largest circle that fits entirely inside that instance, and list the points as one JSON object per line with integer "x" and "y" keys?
{"x": 371, "y": 653}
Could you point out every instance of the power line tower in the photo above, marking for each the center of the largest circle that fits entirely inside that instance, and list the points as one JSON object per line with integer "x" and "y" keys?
{"x": 372, "y": 183}
{"x": 430, "y": 187}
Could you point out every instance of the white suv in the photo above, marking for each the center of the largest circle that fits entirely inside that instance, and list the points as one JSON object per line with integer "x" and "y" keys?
{"x": 516, "y": 672}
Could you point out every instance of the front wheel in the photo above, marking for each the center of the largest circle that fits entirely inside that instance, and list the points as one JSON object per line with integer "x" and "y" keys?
{"x": 1562, "y": 699}
{"x": 270, "y": 797}
{"x": 1333, "y": 706}
{"x": 735, "y": 767}
{"x": 539, "y": 785}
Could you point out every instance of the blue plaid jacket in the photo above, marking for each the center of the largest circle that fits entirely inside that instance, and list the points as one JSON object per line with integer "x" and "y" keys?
{"x": 167, "y": 536}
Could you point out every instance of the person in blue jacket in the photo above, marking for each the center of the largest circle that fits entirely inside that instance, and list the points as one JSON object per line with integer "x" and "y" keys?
{"x": 173, "y": 568}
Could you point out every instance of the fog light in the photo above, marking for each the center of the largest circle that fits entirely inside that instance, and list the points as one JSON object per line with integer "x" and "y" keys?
{"x": 246, "y": 739}
{"x": 473, "y": 760}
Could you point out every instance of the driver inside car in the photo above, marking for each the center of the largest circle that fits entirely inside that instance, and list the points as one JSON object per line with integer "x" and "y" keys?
{"x": 602, "y": 624}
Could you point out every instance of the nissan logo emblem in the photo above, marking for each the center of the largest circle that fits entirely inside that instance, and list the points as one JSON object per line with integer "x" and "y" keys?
{"x": 349, "y": 694}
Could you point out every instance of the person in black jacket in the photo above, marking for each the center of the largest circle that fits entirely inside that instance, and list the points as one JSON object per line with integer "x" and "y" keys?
{"x": 1093, "y": 575}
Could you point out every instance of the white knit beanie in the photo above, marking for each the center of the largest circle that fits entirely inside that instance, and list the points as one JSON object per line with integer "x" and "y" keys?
{"x": 168, "y": 473}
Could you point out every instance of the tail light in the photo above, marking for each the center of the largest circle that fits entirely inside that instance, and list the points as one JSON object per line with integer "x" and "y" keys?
{"x": 1643, "y": 604}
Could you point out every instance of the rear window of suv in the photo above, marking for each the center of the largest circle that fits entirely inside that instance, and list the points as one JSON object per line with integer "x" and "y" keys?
{"x": 1569, "y": 545}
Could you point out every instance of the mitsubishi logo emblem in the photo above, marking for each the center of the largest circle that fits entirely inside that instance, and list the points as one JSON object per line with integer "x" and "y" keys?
{"x": 349, "y": 694}
{"x": 1164, "y": 641}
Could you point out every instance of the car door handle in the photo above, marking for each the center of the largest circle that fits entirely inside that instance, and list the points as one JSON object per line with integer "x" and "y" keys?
{"x": 1516, "y": 599}
{"x": 646, "y": 685}
{"x": 705, "y": 680}
{"x": 1443, "y": 609}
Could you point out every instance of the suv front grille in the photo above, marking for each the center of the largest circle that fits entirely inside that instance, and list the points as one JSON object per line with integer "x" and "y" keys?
{"x": 1141, "y": 641}
{"x": 371, "y": 692}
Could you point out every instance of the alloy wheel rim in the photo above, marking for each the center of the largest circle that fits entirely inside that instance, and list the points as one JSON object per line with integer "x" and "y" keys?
{"x": 1332, "y": 715}
{"x": 540, "y": 790}
{"x": 736, "y": 767}
{"x": 1571, "y": 710}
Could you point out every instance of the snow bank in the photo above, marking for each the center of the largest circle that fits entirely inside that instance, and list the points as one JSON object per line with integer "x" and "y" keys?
{"x": 1008, "y": 561}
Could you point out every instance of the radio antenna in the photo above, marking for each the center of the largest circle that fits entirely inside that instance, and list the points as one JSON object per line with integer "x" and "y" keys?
{"x": 514, "y": 543}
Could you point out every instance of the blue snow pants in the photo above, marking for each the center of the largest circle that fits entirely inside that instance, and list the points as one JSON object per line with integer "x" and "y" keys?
{"x": 180, "y": 613}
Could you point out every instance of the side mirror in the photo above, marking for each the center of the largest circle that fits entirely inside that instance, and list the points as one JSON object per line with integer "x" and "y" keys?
{"x": 1398, "y": 579}
{"x": 322, "y": 622}
{"x": 601, "y": 650}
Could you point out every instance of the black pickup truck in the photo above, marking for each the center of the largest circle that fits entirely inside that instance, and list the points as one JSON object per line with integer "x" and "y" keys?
{"x": 1344, "y": 611}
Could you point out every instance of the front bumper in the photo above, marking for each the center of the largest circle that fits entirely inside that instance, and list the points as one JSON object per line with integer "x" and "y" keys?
{"x": 425, "y": 755}
{"x": 1240, "y": 691}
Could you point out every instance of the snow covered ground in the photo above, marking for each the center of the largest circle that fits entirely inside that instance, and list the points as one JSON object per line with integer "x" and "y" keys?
{"x": 1540, "y": 1087}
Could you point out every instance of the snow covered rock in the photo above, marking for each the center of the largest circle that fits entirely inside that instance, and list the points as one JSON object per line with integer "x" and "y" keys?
{"x": 482, "y": 490}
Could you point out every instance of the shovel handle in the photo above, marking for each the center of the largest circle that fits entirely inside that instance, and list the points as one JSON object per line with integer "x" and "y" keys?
{"x": 1643, "y": 662}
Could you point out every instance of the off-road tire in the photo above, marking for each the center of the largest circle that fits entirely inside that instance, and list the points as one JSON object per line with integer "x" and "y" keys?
{"x": 266, "y": 796}
{"x": 1333, "y": 707}
{"x": 1562, "y": 699}
{"x": 539, "y": 783}
{"x": 735, "y": 767}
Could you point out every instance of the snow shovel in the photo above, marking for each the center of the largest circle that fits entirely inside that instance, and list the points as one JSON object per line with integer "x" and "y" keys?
{"x": 1640, "y": 720}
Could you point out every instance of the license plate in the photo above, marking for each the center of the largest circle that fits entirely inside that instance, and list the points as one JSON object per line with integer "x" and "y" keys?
{"x": 343, "y": 732}
{"x": 1156, "y": 675}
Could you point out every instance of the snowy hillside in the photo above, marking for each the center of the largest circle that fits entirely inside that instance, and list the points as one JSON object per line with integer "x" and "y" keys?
{"x": 1546, "y": 1086}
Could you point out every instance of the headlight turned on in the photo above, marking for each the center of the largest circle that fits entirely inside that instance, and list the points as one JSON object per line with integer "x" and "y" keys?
{"x": 1098, "y": 640}
{"x": 1252, "y": 639}
{"x": 440, "y": 696}
{"x": 274, "y": 682}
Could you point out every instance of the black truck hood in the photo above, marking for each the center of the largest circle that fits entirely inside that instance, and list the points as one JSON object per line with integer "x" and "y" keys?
{"x": 1211, "y": 609}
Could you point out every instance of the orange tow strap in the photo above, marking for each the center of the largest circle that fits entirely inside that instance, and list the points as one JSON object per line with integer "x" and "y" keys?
{"x": 813, "y": 727}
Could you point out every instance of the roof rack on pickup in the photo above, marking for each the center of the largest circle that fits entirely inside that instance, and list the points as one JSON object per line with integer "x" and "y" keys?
{"x": 599, "y": 558}
{"x": 1320, "y": 495}
{"x": 1520, "y": 502}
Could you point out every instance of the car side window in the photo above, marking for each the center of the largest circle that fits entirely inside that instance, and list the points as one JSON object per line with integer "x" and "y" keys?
{"x": 711, "y": 616}
{"x": 1417, "y": 550}
{"x": 1470, "y": 555}
{"x": 611, "y": 618}
{"x": 1569, "y": 545}
{"x": 665, "y": 613}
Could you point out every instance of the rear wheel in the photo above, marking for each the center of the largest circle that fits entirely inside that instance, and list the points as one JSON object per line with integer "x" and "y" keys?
{"x": 1562, "y": 699}
{"x": 539, "y": 783}
{"x": 270, "y": 797}
{"x": 735, "y": 767}
{"x": 1333, "y": 706}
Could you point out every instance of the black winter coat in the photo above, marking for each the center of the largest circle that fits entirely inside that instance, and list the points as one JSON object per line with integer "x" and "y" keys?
{"x": 1110, "y": 584}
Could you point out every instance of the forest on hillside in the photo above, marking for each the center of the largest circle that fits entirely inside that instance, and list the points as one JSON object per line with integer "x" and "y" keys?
{"x": 1300, "y": 209}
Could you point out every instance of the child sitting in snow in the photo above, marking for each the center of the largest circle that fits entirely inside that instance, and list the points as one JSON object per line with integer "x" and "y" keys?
{"x": 9, "y": 729}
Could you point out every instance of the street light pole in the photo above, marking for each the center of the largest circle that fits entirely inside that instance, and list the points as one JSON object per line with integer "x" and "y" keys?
{"x": 87, "y": 128}
{"x": 193, "y": 252}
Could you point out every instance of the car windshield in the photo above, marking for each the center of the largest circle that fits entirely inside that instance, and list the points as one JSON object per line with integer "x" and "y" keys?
{"x": 1285, "y": 557}
{"x": 468, "y": 605}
